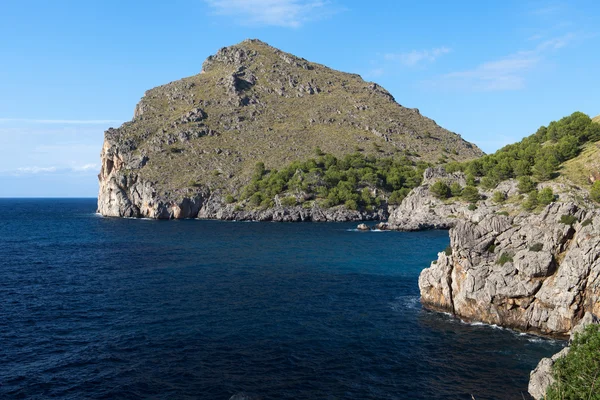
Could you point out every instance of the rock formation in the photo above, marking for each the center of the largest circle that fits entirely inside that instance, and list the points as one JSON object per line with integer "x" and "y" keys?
{"x": 535, "y": 272}
{"x": 193, "y": 141}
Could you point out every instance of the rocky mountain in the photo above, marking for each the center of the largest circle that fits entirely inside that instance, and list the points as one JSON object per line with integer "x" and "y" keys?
{"x": 596, "y": 119}
{"x": 193, "y": 141}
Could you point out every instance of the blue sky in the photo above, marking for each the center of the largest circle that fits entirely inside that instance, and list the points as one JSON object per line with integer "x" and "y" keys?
{"x": 492, "y": 71}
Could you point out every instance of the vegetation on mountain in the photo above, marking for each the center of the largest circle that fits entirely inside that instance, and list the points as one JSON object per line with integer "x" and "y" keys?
{"x": 537, "y": 156}
{"x": 356, "y": 180}
{"x": 577, "y": 375}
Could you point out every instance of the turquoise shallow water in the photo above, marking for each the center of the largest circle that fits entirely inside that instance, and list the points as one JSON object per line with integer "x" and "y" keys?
{"x": 111, "y": 308}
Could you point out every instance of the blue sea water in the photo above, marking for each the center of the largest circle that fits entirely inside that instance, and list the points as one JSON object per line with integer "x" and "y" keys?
{"x": 98, "y": 308}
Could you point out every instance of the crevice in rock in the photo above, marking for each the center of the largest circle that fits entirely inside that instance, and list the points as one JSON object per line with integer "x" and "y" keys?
{"x": 449, "y": 283}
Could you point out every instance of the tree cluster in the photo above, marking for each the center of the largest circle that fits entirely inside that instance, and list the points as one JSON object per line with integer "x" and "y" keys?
{"x": 537, "y": 156}
{"x": 356, "y": 180}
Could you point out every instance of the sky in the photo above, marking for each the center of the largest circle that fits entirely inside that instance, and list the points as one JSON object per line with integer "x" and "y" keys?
{"x": 492, "y": 71}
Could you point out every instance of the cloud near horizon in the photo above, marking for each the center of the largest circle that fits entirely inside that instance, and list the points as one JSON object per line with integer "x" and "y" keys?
{"x": 415, "y": 57}
{"x": 282, "y": 13}
{"x": 504, "y": 74}
{"x": 35, "y": 170}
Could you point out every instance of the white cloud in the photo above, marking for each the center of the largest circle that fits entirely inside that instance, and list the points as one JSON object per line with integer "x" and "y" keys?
{"x": 35, "y": 170}
{"x": 415, "y": 57}
{"x": 284, "y": 13}
{"x": 506, "y": 73}
{"x": 85, "y": 168}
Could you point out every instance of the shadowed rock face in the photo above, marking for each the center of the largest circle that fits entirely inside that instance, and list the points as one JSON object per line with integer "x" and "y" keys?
{"x": 195, "y": 140}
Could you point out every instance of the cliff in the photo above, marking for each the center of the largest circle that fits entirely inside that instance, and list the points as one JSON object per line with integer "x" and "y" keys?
{"x": 536, "y": 272}
{"x": 194, "y": 141}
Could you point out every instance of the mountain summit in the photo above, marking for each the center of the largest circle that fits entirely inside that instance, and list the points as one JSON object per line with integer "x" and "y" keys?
{"x": 203, "y": 135}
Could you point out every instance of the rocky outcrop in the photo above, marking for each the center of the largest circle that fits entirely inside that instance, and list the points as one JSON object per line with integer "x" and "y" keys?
{"x": 420, "y": 210}
{"x": 538, "y": 273}
{"x": 541, "y": 377}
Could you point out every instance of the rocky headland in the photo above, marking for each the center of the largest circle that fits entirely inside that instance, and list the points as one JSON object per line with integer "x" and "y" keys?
{"x": 194, "y": 142}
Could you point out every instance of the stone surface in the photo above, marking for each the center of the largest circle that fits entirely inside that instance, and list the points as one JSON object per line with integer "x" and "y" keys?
{"x": 495, "y": 274}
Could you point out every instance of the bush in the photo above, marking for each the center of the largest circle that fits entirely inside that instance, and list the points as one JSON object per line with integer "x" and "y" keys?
{"x": 448, "y": 250}
{"x": 504, "y": 258}
{"x": 256, "y": 199}
{"x": 440, "y": 189}
{"x": 595, "y": 192}
{"x": 229, "y": 199}
{"x": 525, "y": 185}
{"x": 532, "y": 201}
{"x": 546, "y": 196}
{"x": 472, "y": 207}
{"x": 568, "y": 219}
{"x": 586, "y": 222}
{"x": 456, "y": 189}
{"x": 488, "y": 182}
{"x": 351, "y": 205}
{"x": 577, "y": 375}
{"x": 536, "y": 247}
{"x": 289, "y": 201}
{"x": 498, "y": 197}
{"x": 471, "y": 194}
{"x": 505, "y": 213}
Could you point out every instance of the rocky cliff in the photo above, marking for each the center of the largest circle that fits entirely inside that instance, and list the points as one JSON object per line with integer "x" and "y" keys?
{"x": 537, "y": 272}
{"x": 195, "y": 140}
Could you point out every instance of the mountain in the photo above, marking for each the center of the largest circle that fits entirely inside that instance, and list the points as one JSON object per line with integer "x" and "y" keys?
{"x": 196, "y": 140}
{"x": 596, "y": 119}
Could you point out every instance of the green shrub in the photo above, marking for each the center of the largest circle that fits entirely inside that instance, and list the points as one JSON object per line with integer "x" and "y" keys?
{"x": 536, "y": 247}
{"x": 504, "y": 258}
{"x": 492, "y": 248}
{"x": 586, "y": 222}
{"x": 577, "y": 375}
{"x": 595, "y": 192}
{"x": 456, "y": 189}
{"x": 498, "y": 197}
{"x": 229, "y": 199}
{"x": 471, "y": 194}
{"x": 351, "y": 205}
{"x": 488, "y": 182}
{"x": 289, "y": 201}
{"x": 440, "y": 189}
{"x": 448, "y": 250}
{"x": 472, "y": 207}
{"x": 505, "y": 213}
{"x": 256, "y": 199}
{"x": 545, "y": 196}
{"x": 525, "y": 184}
{"x": 532, "y": 201}
{"x": 568, "y": 219}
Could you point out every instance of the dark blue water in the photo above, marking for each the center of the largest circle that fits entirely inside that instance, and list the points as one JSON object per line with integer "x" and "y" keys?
{"x": 96, "y": 308}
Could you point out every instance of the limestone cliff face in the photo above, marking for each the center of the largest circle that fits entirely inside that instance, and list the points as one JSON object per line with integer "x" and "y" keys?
{"x": 124, "y": 194}
{"x": 529, "y": 272}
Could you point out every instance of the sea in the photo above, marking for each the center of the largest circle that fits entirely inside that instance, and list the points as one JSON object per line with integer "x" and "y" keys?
{"x": 107, "y": 308}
